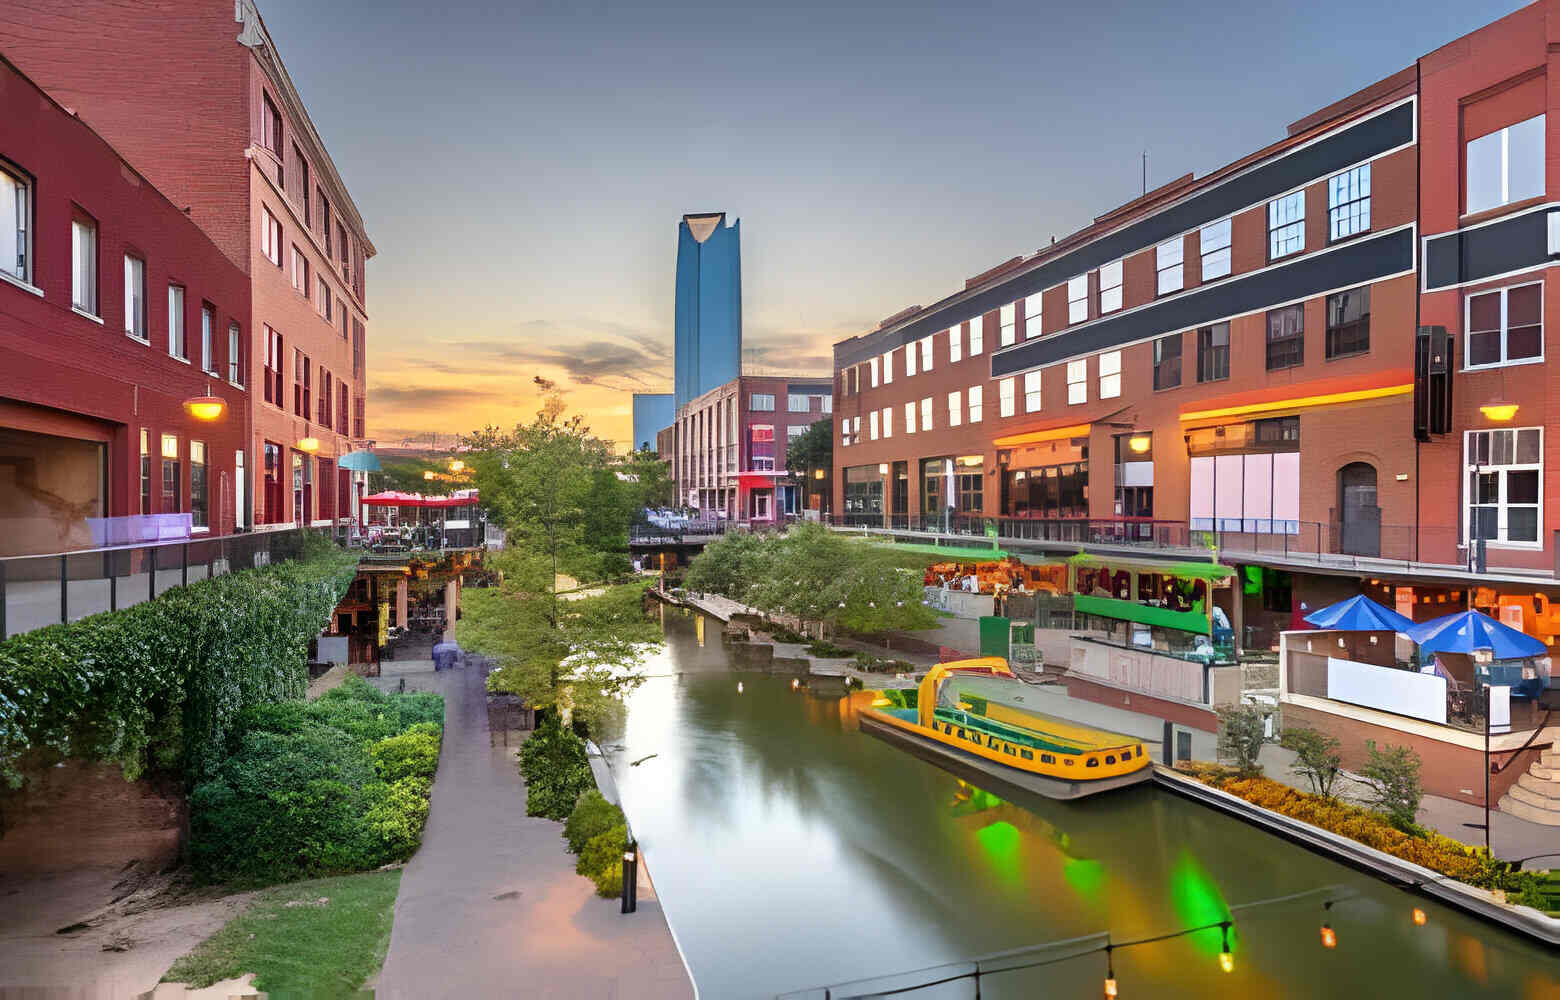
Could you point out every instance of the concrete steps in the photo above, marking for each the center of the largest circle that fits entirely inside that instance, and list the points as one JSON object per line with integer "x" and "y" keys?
{"x": 1536, "y": 795}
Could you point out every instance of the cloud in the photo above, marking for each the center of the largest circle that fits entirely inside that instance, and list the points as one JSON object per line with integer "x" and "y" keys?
{"x": 429, "y": 397}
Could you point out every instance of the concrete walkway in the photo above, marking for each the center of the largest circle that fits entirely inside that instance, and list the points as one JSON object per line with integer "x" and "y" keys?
{"x": 490, "y": 905}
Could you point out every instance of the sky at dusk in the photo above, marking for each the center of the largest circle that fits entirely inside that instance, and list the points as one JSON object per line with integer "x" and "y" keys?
{"x": 522, "y": 167}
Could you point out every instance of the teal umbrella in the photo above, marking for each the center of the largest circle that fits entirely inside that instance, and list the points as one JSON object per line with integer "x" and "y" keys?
{"x": 359, "y": 461}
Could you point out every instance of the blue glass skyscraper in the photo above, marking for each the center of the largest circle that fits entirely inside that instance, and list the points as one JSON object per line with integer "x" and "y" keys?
{"x": 709, "y": 305}
{"x": 653, "y": 412}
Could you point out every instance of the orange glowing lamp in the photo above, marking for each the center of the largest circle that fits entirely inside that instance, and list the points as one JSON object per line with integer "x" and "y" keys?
{"x": 1140, "y": 443}
{"x": 1500, "y": 412}
{"x": 1329, "y": 936}
{"x": 205, "y": 407}
{"x": 1420, "y": 917}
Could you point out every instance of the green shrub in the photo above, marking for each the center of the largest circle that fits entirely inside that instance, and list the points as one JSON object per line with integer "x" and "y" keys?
{"x": 162, "y": 682}
{"x": 829, "y": 651}
{"x": 1241, "y": 737}
{"x": 395, "y": 816}
{"x": 592, "y": 815}
{"x": 1394, "y": 773}
{"x": 1316, "y": 757}
{"x": 609, "y": 881}
{"x": 605, "y": 848}
{"x": 555, "y": 769}
{"x": 412, "y": 754}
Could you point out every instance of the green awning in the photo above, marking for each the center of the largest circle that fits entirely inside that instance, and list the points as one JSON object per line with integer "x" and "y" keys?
{"x": 949, "y": 553}
{"x": 1207, "y": 571}
{"x": 1132, "y": 611}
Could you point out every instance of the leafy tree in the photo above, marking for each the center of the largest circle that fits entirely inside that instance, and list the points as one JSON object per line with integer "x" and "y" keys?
{"x": 651, "y": 478}
{"x": 812, "y": 449}
{"x": 727, "y": 565}
{"x": 555, "y": 769}
{"x": 404, "y": 474}
{"x": 1241, "y": 737}
{"x": 1394, "y": 774}
{"x": 1316, "y": 757}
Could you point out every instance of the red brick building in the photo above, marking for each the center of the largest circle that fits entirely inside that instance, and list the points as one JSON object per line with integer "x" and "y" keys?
{"x": 220, "y": 127}
{"x": 115, "y": 309}
{"x": 729, "y": 446}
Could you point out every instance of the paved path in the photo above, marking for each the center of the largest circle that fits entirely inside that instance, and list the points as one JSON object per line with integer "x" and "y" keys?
{"x": 490, "y": 905}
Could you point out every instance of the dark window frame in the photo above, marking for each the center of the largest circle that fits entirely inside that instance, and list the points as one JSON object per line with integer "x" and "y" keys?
{"x": 1162, "y": 360}
{"x": 1213, "y": 360}
{"x": 1347, "y": 338}
{"x": 1285, "y": 341}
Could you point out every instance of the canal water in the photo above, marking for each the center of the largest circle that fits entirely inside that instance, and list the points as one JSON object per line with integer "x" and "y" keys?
{"x": 790, "y": 851}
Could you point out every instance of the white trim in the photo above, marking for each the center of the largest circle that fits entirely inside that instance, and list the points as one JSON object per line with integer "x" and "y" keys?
{"x": 12, "y": 279}
{"x": 1504, "y": 291}
{"x": 99, "y": 321}
{"x": 1286, "y": 262}
{"x": 240, "y": 388}
{"x": 140, "y": 340}
{"x": 1466, "y": 501}
{"x": 1198, "y": 192}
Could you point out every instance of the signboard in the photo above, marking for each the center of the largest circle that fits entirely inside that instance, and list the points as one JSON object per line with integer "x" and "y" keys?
{"x": 1403, "y": 601}
{"x": 1401, "y": 692}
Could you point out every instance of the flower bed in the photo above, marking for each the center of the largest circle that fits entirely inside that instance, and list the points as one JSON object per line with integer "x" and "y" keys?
{"x": 1427, "y": 848}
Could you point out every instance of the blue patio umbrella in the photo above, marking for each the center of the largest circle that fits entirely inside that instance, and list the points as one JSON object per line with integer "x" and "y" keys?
{"x": 1467, "y": 631}
{"x": 359, "y": 461}
{"x": 1359, "y": 614}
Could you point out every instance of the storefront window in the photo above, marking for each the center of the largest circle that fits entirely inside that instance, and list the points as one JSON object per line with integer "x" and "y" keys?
{"x": 1051, "y": 491}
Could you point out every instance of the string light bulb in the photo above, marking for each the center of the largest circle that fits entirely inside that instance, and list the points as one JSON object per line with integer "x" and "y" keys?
{"x": 1420, "y": 917}
{"x": 1226, "y": 960}
{"x": 1329, "y": 936}
{"x": 1110, "y": 975}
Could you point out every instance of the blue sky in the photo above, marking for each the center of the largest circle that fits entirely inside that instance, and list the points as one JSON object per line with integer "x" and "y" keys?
{"x": 522, "y": 167}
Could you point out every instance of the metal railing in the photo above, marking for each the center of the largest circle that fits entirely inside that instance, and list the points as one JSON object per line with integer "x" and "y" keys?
{"x": 47, "y": 589}
{"x": 676, "y": 532}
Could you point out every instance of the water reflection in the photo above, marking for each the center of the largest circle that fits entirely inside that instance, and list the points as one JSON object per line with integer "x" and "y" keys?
{"x": 790, "y": 850}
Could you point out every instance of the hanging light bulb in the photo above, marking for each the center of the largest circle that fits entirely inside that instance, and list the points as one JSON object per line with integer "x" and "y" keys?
{"x": 1420, "y": 917}
{"x": 1226, "y": 960}
{"x": 795, "y": 683}
{"x": 739, "y": 687}
{"x": 1110, "y": 975}
{"x": 1329, "y": 936}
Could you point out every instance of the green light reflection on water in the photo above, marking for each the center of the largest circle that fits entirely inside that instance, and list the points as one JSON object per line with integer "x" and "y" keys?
{"x": 1198, "y": 901}
{"x": 1001, "y": 841}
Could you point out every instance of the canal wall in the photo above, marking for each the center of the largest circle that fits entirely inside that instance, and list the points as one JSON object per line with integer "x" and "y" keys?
{"x": 84, "y": 814}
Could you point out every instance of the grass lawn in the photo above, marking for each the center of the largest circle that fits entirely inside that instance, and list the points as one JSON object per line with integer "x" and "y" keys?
{"x": 307, "y": 949}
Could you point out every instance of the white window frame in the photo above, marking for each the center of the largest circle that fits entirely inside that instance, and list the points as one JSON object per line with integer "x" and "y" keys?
{"x": 1213, "y": 246}
{"x": 1007, "y": 325}
{"x": 18, "y": 265}
{"x": 1077, "y": 299}
{"x": 926, "y": 354}
{"x": 910, "y": 350}
{"x": 1505, "y": 326}
{"x": 797, "y": 402}
{"x": 926, "y": 414}
{"x": 1169, "y": 266}
{"x": 84, "y": 267}
{"x": 1286, "y": 225}
{"x": 1034, "y": 316}
{"x": 176, "y": 308}
{"x": 270, "y": 237}
{"x": 1348, "y": 203}
{"x": 208, "y": 333}
{"x": 1110, "y": 374}
{"x": 1077, "y": 382}
{"x": 1005, "y": 400}
{"x": 888, "y": 367}
{"x": 955, "y": 342}
{"x": 977, "y": 335}
{"x": 236, "y": 374}
{"x": 872, "y": 425}
{"x": 1502, "y": 506}
{"x": 1033, "y": 399}
{"x": 955, "y": 408}
{"x": 136, "y": 308}
{"x": 1504, "y": 141}
{"x": 910, "y": 417}
{"x": 977, "y": 398}
{"x": 872, "y": 373}
{"x": 1110, "y": 287}
{"x": 828, "y": 403}
{"x": 888, "y": 421}
{"x": 754, "y": 406}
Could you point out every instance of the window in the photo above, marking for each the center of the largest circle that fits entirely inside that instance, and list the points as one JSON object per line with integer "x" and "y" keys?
{"x": 888, "y": 421}
{"x": 977, "y": 397}
{"x": 1168, "y": 259}
{"x": 341, "y": 249}
{"x": 796, "y": 402}
{"x": 1348, "y": 323}
{"x": 955, "y": 335}
{"x": 273, "y": 367}
{"x": 1110, "y": 374}
{"x": 955, "y": 408}
{"x": 146, "y": 471}
{"x": 1506, "y": 166}
{"x": 1078, "y": 299}
{"x": 270, "y": 237}
{"x": 177, "y": 345}
{"x": 1033, "y": 321}
{"x": 1031, "y": 392}
{"x": 325, "y": 398}
{"x": 1213, "y": 352}
{"x": 1505, "y": 468}
{"x": 872, "y": 367}
{"x": 343, "y": 409}
{"x": 15, "y": 223}
{"x": 1348, "y": 203}
{"x": 271, "y": 127}
{"x": 792, "y": 432}
{"x": 761, "y": 402}
{"x": 1077, "y": 382}
{"x": 1007, "y": 327}
{"x": 170, "y": 474}
{"x": 1213, "y": 242}
{"x": 909, "y": 360}
{"x": 910, "y": 417}
{"x": 303, "y": 190}
{"x": 926, "y": 414}
{"x": 198, "y": 493}
{"x": 300, "y": 271}
{"x": 135, "y": 297}
{"x": 208, "y": 354}
{"x": 872, "y": 425}
{"x": 325, "y": 305}
{"x": 978, "y": 335}
{"x": 1285, "y": 337}
{"x": 1167, "y": 362}
{"x": 926, "y": 354}
{"x": 359, "y": 416}
{"x": 235, "y": 355}
{"x": 1505, "y": 325}
{"x": 83, "y": 268}
{"x": 1110, "y": 287}
{"x": 845, "y": 432}
{"x": 828, "y": 403}
{"x": 1255, "y": 492}
{"x": 1006, "y": 404}
{"x": 1286, "y": 225}
{"x": 302, "y": 383}
{"x": 888, "y": 367}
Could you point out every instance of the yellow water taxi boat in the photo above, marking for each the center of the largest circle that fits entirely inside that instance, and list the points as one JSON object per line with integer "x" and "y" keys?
{"x": 960, "y": 708}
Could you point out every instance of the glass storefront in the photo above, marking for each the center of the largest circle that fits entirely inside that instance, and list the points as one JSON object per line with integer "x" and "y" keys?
{"x": 864, "y": 493}
{"x": 1049, "y": 491}
{"x": 959, "y": 483}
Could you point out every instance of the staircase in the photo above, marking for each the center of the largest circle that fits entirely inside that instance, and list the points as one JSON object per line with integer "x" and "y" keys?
{"x": 1536, "y": 795}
